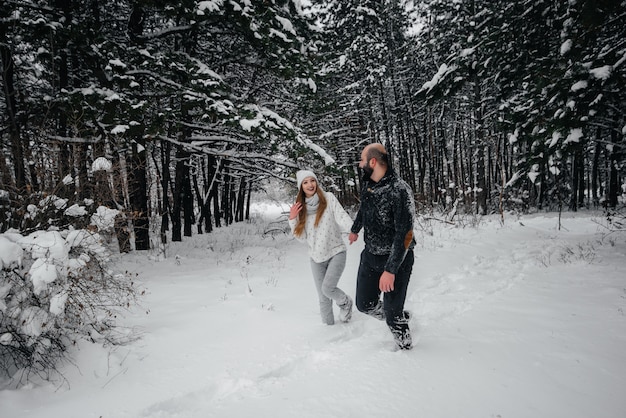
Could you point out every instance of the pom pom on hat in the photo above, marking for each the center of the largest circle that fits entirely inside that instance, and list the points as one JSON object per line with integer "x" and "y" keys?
{"x": 302, "y": 174}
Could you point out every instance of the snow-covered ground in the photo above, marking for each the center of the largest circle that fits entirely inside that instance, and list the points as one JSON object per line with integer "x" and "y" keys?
{"x": 515, "y": 320}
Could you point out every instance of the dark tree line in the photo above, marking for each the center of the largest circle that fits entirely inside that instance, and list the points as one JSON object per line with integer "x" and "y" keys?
{"x": 188, "y": 102}
{"x": 484, "y": 105}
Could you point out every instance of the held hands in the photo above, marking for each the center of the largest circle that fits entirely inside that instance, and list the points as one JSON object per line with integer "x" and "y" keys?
{"x": 385, "y": 284}
{"x": 295, "y": 210}
{"x": 352, "y": 237}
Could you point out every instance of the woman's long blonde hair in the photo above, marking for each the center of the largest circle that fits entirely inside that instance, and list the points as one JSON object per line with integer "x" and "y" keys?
{"x": 297, "y": 231}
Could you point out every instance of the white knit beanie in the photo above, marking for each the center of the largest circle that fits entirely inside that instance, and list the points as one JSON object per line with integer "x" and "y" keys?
{"x": 302, "y": 174}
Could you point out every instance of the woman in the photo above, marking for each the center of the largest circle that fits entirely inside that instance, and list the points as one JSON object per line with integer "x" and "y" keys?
{"x": 318, "y": 219}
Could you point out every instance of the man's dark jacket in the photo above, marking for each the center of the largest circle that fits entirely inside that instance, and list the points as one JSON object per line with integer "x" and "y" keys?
{"x": 386, "y": 215}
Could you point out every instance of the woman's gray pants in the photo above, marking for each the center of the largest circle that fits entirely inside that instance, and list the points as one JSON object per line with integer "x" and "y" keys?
{"x": 326, "y": 276}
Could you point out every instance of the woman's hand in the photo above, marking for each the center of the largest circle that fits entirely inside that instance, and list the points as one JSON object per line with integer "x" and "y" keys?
{"x": 295, "y": 210}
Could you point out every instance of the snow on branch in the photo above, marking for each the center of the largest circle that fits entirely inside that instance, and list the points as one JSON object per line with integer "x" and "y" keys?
{"x": 304, "y": 140}
{"x": 73, "y": 140}
{"x": 212, "y": 6}
{"x": 516, "y": 176}
{"x": 232, "y": 155}
{"x": 201, "y": 140}
{"x": 443, "y": 71}
{"x": 165, "y": 32}
{"x": 273, "y": 118}
{"x": 156, "y": 77}
{"x": 286, "y": 24}
{"x": 263, "y": 116}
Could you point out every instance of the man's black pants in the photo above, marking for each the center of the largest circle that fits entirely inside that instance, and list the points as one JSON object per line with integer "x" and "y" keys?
{"x": 392, "y": 307}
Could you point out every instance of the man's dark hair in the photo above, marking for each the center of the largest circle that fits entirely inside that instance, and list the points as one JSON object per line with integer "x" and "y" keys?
{"x": 380, "y": 156}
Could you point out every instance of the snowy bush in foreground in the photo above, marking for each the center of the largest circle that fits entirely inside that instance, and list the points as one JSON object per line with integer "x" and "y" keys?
{"x": 55, "y": 289}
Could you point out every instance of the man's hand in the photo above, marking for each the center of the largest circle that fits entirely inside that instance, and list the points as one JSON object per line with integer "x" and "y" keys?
{"x": 385, "y": 283}
{"x": 352, "y": 237}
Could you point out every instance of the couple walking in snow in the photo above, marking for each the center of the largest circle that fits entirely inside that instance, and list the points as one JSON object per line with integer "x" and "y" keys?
{"x": 385, "y": 214}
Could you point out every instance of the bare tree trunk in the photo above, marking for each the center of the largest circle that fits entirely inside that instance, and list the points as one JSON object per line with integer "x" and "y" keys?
{"x": 65, "y": 159}
{"x": 216, "y": 170}
{"x": 248, "y": 200}
{"x": 166, "y": 150}
{"x": 385, "y": 121}
{"x": 432, "y": 170}
{"x": 138, "y": 190}
{"x": 84, "y": 186}
{"x": 479, "y": 152}
{"x": 183, "y": 198}
{"x": 177, "y": 194}
{"x": 199, "y": 195}
{"x": 187, "y": 197}
{"x": 582, "y": 181}
{"x": 577, "y": 197}
{"x": 208, "y": 190}
{"x": 594, "y": 171}
{"x": 542, "y": 186}
{"x": 8, "y": 88}
{"x": 241, "y": 196}
{"x": 613, "y": 176}
{"x": 138, "y": 187}
{"x": 423, "y": 158}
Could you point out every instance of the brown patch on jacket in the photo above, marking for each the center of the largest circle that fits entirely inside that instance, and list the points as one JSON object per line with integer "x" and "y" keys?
{"x": 407, "y": 239}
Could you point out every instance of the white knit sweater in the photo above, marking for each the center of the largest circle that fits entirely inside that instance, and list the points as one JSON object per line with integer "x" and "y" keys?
{"x": 326, "y": 239}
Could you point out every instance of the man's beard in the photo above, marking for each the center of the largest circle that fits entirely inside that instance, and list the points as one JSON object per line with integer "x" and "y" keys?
{"x": 368, "y": 171}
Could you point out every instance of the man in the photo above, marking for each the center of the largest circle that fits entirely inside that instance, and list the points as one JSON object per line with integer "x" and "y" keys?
{"x": 386, "y": 215}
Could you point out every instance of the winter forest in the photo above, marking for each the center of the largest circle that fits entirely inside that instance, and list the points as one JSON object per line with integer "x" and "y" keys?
{"x": 164, "y": 117}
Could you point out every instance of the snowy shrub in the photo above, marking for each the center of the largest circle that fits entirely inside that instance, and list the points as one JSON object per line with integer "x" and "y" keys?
{"x": 616, "y": 219}
{"x": 56, "y": 289}
{"x": 584, "y": 252}
{"x": 613, "y": 224}
{"x": 469, "y": 220}
{"x": 278, "y": 227}
{"x": 54, "y": 211}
